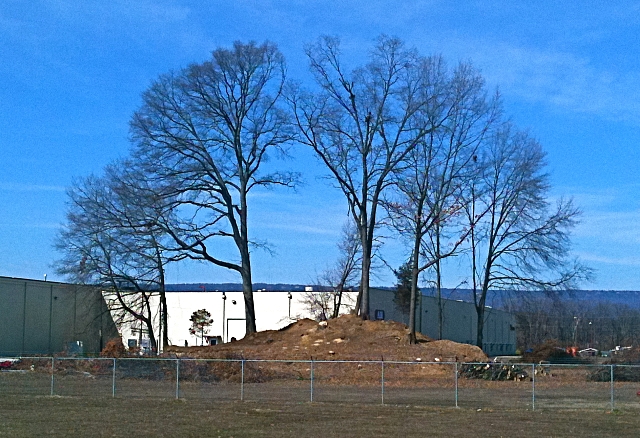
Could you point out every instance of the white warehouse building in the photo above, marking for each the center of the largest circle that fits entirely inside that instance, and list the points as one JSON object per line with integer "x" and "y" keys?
{"x": 274, "y": 310}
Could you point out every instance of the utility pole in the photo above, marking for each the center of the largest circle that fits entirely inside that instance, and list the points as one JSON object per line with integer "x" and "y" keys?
{"x": 224, "y": 305}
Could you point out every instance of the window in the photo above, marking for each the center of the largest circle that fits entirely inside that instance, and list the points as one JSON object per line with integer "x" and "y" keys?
{"x": 379, "y": 314}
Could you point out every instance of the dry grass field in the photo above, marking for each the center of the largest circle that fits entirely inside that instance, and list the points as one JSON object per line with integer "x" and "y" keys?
{"x": 125, "y": 417}
{"x": 210, "y": 391}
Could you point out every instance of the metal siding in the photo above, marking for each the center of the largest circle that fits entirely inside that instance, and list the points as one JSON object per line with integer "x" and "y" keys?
{"x": 12, "y": 297}
{"x": 63, "y": 318}
{"x": 38, "y": 317}
{"x": 380, "y": 299}
{"x": 459, "y": 321}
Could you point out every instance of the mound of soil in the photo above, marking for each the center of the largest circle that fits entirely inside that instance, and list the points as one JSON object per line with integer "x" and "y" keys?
{"x": 345, "y": 338}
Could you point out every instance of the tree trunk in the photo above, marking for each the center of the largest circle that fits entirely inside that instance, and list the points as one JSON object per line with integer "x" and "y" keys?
{"x": 365, "y": 275}
{"x": 480, "y": 326}
{"x": 440, "y": 301}
{"x": 337, "y": 301}
{"x": 249, "y": 309}
{"x": 148, "y": 321}
{"x": 163, "y": 317}
{"x": 245, "y": 255}
{"x": 415, "y": 259}
{"x": 364, "y": 288}
{"x": 356, "y": 309}
{"x": 163, "y": 302}
{"x": 439, "y": 283}
{"x": 480, "y": 309}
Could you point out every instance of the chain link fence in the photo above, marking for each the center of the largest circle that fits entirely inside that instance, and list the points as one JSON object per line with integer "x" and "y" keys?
{"x": 437, "y": 384}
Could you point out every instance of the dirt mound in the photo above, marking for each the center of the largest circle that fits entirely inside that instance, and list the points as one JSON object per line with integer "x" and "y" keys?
{"x": 345, "y": 338}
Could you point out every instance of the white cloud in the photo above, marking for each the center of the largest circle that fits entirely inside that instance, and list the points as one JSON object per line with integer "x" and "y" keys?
{"x": 618, "y": 261}
{"x": 291, "y": 226}
{"x": 33, "y": 225}
{"x": 561, "y": 79}
{"x": 19, "y": 187}
{"x": 620, "y": 228}
{"x": 609, "y": 228}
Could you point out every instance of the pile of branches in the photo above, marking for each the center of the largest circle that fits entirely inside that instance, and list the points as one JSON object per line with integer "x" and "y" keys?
{"x": 493, "y": 371}
{"x": 620, "y": 374}
{"x": 551, "y": 351}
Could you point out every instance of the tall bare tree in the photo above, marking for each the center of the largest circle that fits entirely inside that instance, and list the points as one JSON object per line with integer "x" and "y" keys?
{"x": 111, "y": 240}
{"x": 523, "y": 241}
{"x": 202, "y": 137}
{"x": 363, "y": 123}
{"x": 427, "y": 187}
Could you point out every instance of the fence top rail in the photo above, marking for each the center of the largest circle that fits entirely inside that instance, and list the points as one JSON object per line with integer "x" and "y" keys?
{"x": 19, "y": 358}
{"x": 312, "y": 360}
{"x": 572, "y": 365}
{"x": 83, "y": 358}
{"x": 370, "y": 361}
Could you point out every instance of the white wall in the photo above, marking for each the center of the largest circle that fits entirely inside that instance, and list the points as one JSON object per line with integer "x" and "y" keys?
{"x": 272, "y": 313}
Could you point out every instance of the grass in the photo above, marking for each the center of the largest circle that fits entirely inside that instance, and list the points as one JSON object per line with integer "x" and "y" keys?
{"x": 567, "y": 404}
{"x": 22, "y": 416}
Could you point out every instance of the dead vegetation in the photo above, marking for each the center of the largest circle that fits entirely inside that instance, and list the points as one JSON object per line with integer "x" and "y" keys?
{"x": 550, "y": 351}
{"x": 344, "y": 351}
{"x": 345, "y": 338}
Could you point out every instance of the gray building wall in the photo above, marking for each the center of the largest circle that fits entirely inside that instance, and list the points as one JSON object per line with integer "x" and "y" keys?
{"x": 38, "y": 317}
{"x": 459, "y": 321}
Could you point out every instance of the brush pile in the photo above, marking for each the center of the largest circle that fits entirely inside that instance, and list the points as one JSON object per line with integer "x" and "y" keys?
{"x": 493, "y": 371}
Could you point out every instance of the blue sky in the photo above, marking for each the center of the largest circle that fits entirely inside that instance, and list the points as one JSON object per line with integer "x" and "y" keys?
{"x": 71, "y": 75}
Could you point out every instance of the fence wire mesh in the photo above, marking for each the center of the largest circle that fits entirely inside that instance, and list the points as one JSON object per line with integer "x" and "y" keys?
{"x": 438, "y": 384}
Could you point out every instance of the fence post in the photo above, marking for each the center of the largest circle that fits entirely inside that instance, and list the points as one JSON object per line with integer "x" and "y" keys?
{"x": 612, "y": 397}
{"x": 177, "y": 378}
{"x": 52, "y": 373}
{"x": 311, "y": 392}
{"x": 455, "y": 377}
{"x": 242, "y": 380}
{"x": 533, "y": 387}
{"x": 113, "y": 379}
{"x": 382, "y": 380}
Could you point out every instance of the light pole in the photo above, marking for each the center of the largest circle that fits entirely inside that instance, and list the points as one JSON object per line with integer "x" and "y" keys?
{"x": 224, "y": 305}
{"x": 289, "y": 297}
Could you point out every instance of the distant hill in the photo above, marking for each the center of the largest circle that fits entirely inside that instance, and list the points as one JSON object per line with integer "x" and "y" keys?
{"x": 496, "y": 298}
{"x": 237, "y": 287}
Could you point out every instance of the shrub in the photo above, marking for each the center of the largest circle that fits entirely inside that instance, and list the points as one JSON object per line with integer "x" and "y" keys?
{"x": 114, "y": 348}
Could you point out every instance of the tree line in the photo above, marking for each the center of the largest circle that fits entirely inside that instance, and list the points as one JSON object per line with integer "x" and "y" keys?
{"x": 421, "y": 150}
{"x": 581, "y": 323}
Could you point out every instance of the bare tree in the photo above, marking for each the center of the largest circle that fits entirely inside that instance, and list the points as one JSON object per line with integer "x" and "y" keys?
{"x": 202, "y": 137}
{"x": 326, "y": 302}
{"x": 523, "y": 240}
{"x": 362, "y": 124}
{"x": 427, "y": 187}
{"x": 345, "y": 272}
{"x": 572, "y": 320}
{"x": 110, "y": 240}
